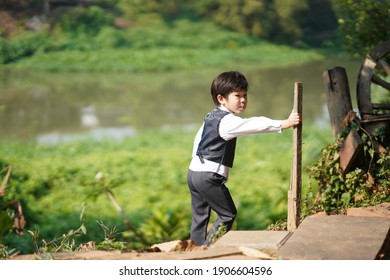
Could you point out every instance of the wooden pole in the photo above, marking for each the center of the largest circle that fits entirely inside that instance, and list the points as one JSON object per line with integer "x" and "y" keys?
{"x": 294, "y": 194}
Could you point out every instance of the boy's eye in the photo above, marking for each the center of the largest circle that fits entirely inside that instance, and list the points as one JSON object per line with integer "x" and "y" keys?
{"x": 239, "y": 94}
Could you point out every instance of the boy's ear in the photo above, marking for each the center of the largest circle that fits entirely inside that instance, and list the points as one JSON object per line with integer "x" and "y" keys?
{"x": 220, "y": 98}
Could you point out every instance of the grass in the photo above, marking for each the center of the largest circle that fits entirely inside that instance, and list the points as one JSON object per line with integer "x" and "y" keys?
{"x": 166, "y": 59}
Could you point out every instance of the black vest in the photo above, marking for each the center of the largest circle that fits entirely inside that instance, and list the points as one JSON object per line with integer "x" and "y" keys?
{"x": 212, "y": 146}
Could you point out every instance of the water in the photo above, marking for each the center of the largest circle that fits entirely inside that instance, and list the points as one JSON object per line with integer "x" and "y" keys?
{"x": 61, "y": 107}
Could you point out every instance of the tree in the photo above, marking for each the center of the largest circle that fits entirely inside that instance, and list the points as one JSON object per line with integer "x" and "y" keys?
{"x": 151, "y": 11}
{"x": 288, "y": 13}
{"x": 269, "y": 19}
{"x": 13, "y": 4}
{"x": 85, "y": 20}
{"x": 363, "y": 24}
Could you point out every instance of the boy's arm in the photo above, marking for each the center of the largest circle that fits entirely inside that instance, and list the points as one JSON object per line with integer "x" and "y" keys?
{"x": 233, "y": 126}
{"x": 293, "y": 120}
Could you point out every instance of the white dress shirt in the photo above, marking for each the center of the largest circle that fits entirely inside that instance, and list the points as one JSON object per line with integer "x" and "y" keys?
{"x": 232, "y": 126}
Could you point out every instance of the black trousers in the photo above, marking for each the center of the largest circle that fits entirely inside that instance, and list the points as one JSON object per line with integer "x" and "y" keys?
{"x": 208, "y": 192}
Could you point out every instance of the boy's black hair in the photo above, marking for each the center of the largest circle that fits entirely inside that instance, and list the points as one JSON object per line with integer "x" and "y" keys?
{"x": 226, "y": 83}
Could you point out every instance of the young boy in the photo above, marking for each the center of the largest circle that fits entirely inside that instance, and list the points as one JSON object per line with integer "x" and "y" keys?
{"x": 213, "y": 154}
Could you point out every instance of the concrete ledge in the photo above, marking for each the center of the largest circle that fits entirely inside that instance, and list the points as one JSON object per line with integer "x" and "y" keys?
{"x": 338, "y": 237}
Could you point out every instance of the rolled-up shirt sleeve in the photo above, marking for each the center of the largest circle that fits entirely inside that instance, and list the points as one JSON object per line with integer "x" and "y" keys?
{"x": 232, "y": 126}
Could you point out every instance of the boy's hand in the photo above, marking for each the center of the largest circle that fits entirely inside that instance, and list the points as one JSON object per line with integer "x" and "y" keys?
{"x": 293, "y": 120}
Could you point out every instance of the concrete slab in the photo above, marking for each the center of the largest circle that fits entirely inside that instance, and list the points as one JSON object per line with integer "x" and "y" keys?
{"x": 258, "y": 244}
{"x": 317, "y": 238}
{"x": 381, "y": 210}
{"x": 210, "y": 253}
{"x": 337, "y": 237}
{"x": 269, "y": 240}
{"x": 235, "y": 245}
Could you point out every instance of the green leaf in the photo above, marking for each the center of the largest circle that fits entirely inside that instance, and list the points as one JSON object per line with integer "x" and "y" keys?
{"x": 336, "y": 156}
{"x": 5, "y": 223}
{"x": 82, "y": 214}
{"x": 346, "y": 198}
{"x": 83, "y": 229}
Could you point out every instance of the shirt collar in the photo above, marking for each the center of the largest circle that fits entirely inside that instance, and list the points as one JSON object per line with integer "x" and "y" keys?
{"x": 223, "y": 108}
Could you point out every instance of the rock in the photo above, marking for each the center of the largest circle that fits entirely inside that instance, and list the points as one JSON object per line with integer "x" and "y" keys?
{"x": 178, "y": 246}
{"x": 187, "y": 245}
{"x": 166, "y": 246}
{"x": 251, "y": 252}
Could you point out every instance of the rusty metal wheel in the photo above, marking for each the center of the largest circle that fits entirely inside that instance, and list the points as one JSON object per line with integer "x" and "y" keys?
{"x": 373, "y": 85}
{"x": 373, "y": 93}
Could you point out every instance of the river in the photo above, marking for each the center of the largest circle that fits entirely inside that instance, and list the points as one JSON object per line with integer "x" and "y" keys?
{"x": 50, "y": 108}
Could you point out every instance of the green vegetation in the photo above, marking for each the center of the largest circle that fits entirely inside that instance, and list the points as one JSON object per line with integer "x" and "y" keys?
{"x": 185, "y": 45}
{"x": 121, "y": 35}
{"x": 362, "y": 24}
{"x": 147, "y": 175}
{"x": 7, "y": 213}
{"x": 292, "y": 22}
{"x": 368, "y": 183}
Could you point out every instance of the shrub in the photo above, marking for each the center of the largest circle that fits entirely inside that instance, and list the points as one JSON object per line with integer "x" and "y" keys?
{"x": 111, "y": 38}
{"x": 367, "y": 184}
{"x": 84, "y": 21}
{"x": 24, "y": 45}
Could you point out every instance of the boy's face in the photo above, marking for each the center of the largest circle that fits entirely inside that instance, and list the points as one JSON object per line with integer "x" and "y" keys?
{"x": 235, "y": 102}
